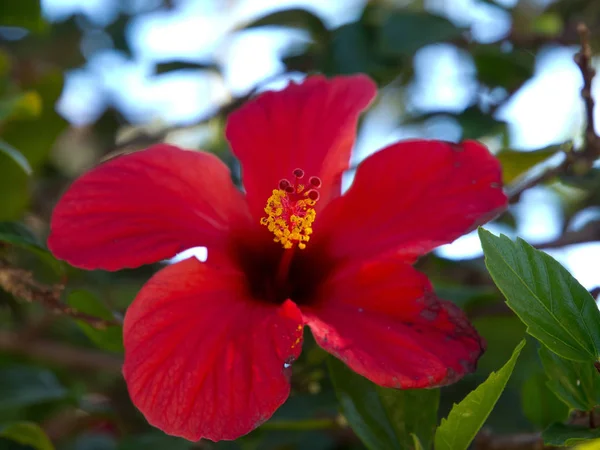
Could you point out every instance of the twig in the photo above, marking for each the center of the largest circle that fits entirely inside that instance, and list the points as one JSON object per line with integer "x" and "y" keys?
{"x": 58, "y": 353}
{"x": 580, "y": 162}
{"x": 21, "y": 284}
{"x": 523, "y": 441}
{"x": 589, "y": 233}
{"x": 515, "y": 193}
{"x": 583, "y": 59}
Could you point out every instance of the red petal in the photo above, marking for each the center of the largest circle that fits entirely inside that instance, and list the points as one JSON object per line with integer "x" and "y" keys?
{"x": 412, "y": 197}
{"x": 383, "y": 321}
{"x": 311, "y": 126}
{"x": 144, "y": 207}
{"x": 203, "y": 360}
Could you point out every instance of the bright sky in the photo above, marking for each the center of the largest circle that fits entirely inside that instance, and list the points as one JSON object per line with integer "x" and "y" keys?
{"x": 546, "y": 111}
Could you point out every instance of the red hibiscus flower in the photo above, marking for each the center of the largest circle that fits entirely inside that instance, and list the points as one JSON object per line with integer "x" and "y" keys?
{"x": 208, "y": 346}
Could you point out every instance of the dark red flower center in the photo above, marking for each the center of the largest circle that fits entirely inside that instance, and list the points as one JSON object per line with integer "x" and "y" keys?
{"x": 276, "y": 273}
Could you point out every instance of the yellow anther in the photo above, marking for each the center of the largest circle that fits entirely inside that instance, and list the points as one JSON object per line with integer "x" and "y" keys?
{"x": 290, "y": 217}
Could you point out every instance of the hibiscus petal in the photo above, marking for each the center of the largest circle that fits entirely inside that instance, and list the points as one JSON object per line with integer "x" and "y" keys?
{"x": 382, "y": 319}
{"x": 202, "y": 359}
{"x": 311, "y": 126}
{"x": 412, "y": 197}
{"x": 143, "y": 207}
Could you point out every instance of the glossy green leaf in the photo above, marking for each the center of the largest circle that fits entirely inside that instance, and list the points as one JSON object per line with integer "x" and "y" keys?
{"x": 539, "y": 403}
{"x": 16, "y": 156}
{"x": 27, "y": 433}
{"x": 563, "y": 435}
{"x": 384, "y": 418}
{"x": 577, "y": 384}
{"x": 403, "y": 32}
{"x": 516, "y": 163}
{"x": 24, "y": 386}
{"x": 466, "y": 418}
{"x": 557, "y": 310}
{"x": 111, "y": 338}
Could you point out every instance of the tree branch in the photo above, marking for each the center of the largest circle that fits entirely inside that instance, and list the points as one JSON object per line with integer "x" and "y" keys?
{"x": 523, "y": 441}
{"x": 515, "y": 193}
{"x": 581, "y": 161}
{"x": 583, "y": 59}
{"x": 21, "y": 284}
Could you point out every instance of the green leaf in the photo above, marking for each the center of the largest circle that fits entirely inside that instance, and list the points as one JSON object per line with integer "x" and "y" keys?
{"x": 111, "y": 338}
{"x": 25, "y": 105}
{"x": 548, "y": 24}
{"x": 17, "y": 234}
{"x": 467, "y": 297}
{"x": 33, "y": 138}
{"x": 411, "y": 412}
{"x": 94, "y": 441}
{"x": 384, "y": 418}
{"x": 22, "y": 13}
{"x": 404, "y": 32}
{"x": 562, "y": 435}
{"x": 294, "y": 18}
{"x": 351, "y": 51}
{"x": 27, "y": 433}
{"x": 557, "y": 310}
{"x": 465, "y": 419}
{"x": 502, "y": 334}
{"x": 496, "y": 67}
{"x": 417, "y": 443}
{"x": 474, "y": 122}
{"x": 477, "y": 124}
{"x": 154, "y": 441}
{"x": 182, "y": 65}
{"x": 577, "y": 384}
{"x": 593, "y": 444}
{"x": 540, "y": 405}
{"x": 16, "y": 156}
{"x": 24, "y": 386}
{"x": 516, "y": 163}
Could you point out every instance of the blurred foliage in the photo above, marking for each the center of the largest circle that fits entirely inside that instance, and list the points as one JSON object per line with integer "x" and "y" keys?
{"x": 60, "y": 382}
